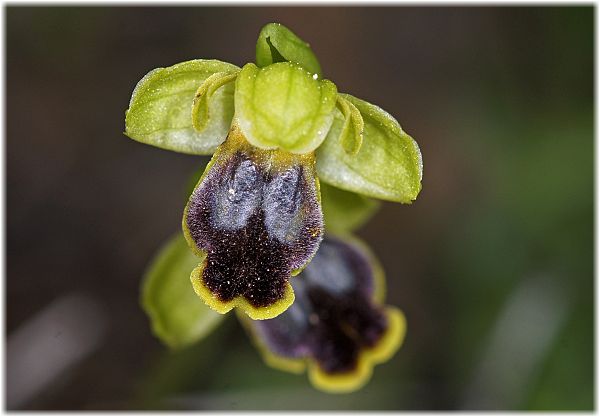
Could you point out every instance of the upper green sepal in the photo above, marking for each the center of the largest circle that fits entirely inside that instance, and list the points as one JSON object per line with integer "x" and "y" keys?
{"x": 276, "y": 43}
{"x": 282, "y": 106}
{"x": 388, "y": 165}
{"x": 160, "y": 110}
{"x": 177, "y": 316}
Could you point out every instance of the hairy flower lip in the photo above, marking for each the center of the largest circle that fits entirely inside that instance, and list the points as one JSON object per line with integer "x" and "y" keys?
{"x": 389, "y": 343}
{"x": 201, "y": 107}
{"x": 295, "y": 340}
{"x": 257, "y": 216}
{"x": 255, "y": 313}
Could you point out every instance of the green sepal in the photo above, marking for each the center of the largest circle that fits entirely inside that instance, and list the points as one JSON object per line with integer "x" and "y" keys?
{"x": 178, "y": 317}
{"x": 200, "y": 105}
{"x": 282, "y": 106}
{"x": 344, "y": 211}
{"x": 351, "y": 136}
{"x": 388, "y": 165}
{"x": 160, "y": 110}
{"x": 276, "y": 43}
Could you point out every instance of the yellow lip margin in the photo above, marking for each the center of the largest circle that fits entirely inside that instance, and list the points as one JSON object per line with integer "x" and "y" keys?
{"x": 387, "y": 346}
{"x": 282, "y": 363}
{"x": 255, "y": 313}
{"x": 343, "y": 383}
{"x": 351, "y": 381}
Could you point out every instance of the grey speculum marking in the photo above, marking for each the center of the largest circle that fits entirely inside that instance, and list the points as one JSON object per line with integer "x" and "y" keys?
{"x": 237, "y": 198}
{"x": 256, "y": 225}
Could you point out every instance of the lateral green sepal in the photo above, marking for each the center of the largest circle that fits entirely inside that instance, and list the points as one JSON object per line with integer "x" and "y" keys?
{"x": 388, "y": 165}
{"x": 345, "y": 211}
{"x": 160, "y": 109}
{"x": 177, "y": 316}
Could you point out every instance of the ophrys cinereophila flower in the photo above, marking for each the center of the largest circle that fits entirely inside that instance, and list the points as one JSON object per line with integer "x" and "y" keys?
{"x": 276, "y": 129}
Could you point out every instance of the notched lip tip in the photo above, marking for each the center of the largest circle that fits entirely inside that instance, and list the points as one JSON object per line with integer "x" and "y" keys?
{"x": 240, "y": 303}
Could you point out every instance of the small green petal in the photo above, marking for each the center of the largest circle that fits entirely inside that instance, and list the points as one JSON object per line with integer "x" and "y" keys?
{"x": 177, "y": 316}
{"x": 344, "y": 211}
{"x": 282, "y": 106}
{"x": 200, "y": 106}
{"x": 160, "y": 110}
{"x": 351, "y": 136}
{"x": 276, "y": 43}
{"x": 388, "y": 166}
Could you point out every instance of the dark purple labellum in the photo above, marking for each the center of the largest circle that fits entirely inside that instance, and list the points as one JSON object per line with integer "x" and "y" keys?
{"x": 256, "y": 214}
{"x": 334, "y": 319}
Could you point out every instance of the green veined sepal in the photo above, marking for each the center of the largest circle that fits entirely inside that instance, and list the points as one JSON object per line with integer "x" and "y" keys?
{"x": 388, "y": 165}
{"x": 177, "y": 316}
{"x": 160, "y": 109}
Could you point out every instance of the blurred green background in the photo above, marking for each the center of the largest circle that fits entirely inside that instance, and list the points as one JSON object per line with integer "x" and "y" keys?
{"x": 493, "y": 264}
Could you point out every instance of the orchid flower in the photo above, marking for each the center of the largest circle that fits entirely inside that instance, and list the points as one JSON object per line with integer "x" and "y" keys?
{"x": 276, "y": 129}
{"x": 337, "y": 329}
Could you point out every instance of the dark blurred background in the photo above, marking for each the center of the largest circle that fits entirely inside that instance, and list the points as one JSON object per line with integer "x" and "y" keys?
{"x": 493, "y": 264}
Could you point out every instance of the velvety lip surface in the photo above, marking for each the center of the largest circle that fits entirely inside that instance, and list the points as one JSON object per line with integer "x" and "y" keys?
{"x": 258, "y": 220}
{"x": 334, "y": 316}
